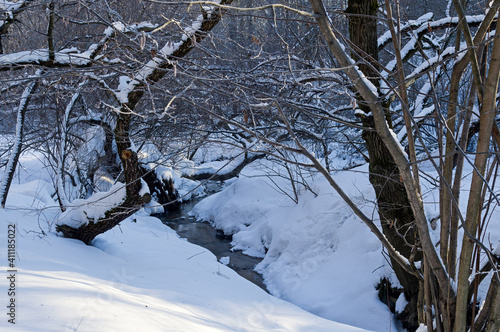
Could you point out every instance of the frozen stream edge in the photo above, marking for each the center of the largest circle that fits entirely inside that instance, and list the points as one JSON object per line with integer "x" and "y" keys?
{"x": 206, "y": 236}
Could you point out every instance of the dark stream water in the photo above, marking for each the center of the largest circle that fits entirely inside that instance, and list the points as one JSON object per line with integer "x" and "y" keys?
{"x": 206, "y": 236}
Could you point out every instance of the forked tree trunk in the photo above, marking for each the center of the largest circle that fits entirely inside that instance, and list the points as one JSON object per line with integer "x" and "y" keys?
{"x": 133, "y": 201}
{"x": 151, "y": 73}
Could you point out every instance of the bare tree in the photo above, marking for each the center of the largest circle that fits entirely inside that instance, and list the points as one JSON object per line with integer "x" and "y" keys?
{"x": 145, "y": 60}
{"x": 394, "y": 90}
{"x": 440, "y": 295}
{"x": 295, "y": 82}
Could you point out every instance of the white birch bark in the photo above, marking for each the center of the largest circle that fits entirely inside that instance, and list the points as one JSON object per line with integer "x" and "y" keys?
{"x": 18, "y": 143}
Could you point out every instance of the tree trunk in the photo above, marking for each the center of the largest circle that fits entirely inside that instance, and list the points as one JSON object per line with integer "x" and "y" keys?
{"x": 394, "y": 209}
{"x": 396, "y": 218}
{"x": 151, "y": 73}
{"x": 17, "y": 148}
{"x": 132, "y": 203}
{"x": 363, "y": 35}
{"x": 493, "y": 322}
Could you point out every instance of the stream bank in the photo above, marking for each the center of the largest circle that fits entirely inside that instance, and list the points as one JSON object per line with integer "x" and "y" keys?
{"x": 206, "y": 236}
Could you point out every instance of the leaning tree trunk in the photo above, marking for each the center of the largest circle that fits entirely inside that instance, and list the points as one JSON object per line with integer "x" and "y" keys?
{"x": 133, "y": 200}
{"x": 133, "y": 172}
{"x": 394, "y": 208}
{"x": 150, "y": 73}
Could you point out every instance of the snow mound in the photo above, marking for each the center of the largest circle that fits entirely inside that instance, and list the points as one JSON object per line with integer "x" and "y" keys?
{"x": 137, "y": 277}
{"x": 317, "y": 254}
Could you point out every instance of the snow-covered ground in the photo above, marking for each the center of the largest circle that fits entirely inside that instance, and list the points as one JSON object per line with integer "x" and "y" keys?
{"x": 319, "y": 261}
{"x": 137, "y": 277}
{"x": 317, "y": 254}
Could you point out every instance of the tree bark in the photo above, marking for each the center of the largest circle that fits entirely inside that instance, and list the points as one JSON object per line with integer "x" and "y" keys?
{"x": 226, "y": 176}
{"x": 18, "y": 144}
{"x": 474, "y": 206}
{"x": 396, "y": 218}
{"x": 394, "y": 209}
{"x": 129, "y": 160}
{"x": 363, "y": 35}
{"x": 493, "y": 321}
{"x": 382, "y": 126}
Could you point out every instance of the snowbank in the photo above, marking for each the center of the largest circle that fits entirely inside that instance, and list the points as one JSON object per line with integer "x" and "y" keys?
{"x": 137, "y": 277}
{"x": 317, "y": 254}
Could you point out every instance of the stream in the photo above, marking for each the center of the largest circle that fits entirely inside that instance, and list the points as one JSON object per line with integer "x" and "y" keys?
{"x": 206, "y": 236}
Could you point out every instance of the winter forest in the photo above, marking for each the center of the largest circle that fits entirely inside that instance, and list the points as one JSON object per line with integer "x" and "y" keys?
{"x": 235, "y": 165}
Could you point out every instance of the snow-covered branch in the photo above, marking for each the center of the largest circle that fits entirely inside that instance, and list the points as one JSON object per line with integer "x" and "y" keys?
{"x": 70, "y": 57}
{"x": 130, "y": 89}
{"x": 9, "y": 10}
{"x": 424, "y": 25}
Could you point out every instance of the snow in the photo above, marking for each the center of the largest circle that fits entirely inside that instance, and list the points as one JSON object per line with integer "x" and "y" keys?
{"x": 26, "y": 56}
{"x": 61, "y": 156}
{"x": 425, "y": 112}
{"x": 418, "y": 27}
{"x": 66, "y": 56}
{"x": 225, "y": 260}
{"x": 422, "y": 327}
{"x": 423, "y": 93}
{"x": 313, "y": 251}
{"x": 316, "y": 253}
{"x": 432, "y": 61}
{"x": 411, "y": 24}
{"x": 215, "y": 167}
{"x": 10, "y": 5}
{"x": 103, "y": 181}
{"x": 139, "y": 276}
{"x": 395, "y": 137}
{"x": 127, "y": 85}
{"x": 80, "y": 211}
{"x": 16, "y": 149}
{"x": 497, "y": 250}
{"x": 7, "y": 8}
{"x": 401, "y": 303}
{"x": 142, "y": 276}
{"x": 185, "y": 187}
